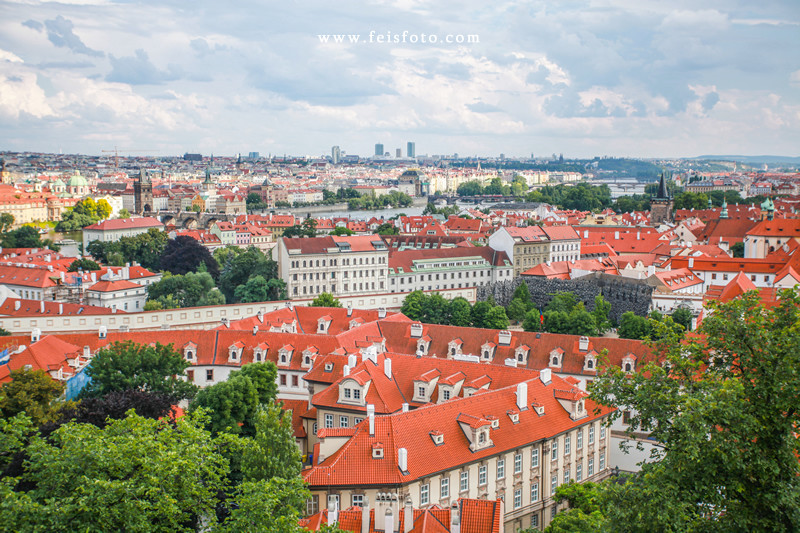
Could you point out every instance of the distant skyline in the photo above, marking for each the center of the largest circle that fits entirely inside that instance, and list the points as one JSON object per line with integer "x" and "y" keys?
{"x": 638, "y": 78}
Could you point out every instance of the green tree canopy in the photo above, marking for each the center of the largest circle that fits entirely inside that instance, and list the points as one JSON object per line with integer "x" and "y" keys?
{"x": 723, "y": 407}
{"x": 273, "y": 451}
{"x": 232, "y": 404}
{"x": 251, "y": 263}
{"x": 190, "y": 290}
{"x": 273, "y": 505}
{"x": 325, "y": 299}
{"x": 145, "y": 249}
{"x": 127, "y": 365}
{"x": 83, "y": 264}
{"x": 33, "y": 392}
{"x": 184, "y": 254}
{"x": 341, "y": 230}
{"x": 6, "y": 222}
{"x": 25, "y": 237}
{"x": 136, "y": 474}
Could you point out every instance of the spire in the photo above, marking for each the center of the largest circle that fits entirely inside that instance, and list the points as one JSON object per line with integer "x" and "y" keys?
{"x": 208, "y": 174}
{"x": 724, "y": 212}
{"x": 662, "y": 187}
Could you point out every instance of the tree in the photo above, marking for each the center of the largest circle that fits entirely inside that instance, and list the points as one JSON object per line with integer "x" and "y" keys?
{"x": 254, "y": 202}
{"x": 387, "y": 228}
{"x": 722, "y": 405}
{"x": 232, "y": 404}
{"x": 251, "y": 263}
{"x": 600, "y": 314}
{"x": 633, "y": 326}
{"x": 480, "y": 312}
{"x": 190, "y": 290}
{"x": 115, "y": 405}
{"x": 562, "y": 301}
{"x": 683, "y": 317}
{"x": 413, "y": 305}
{"x": 532, "y": 321}
{"x": 145, "y": 248}
{"x": 6, "y": 222}
{"x": 273, "y": 451}
{"x": 470, "y": 188}
{"x": 255, "y": 290}
{"x": 84, "y": 213}
{"x": 83, "y": 264}
{"x": 737, "y": 249}
{"x": 33, "y": 392}
{"x": 517, "y": 310}
{"x": 307, "y": 229}
{"x": 273, "y": 505}
{"x": 341, "y": 230}
{"x": 226, "y": 253}
{"x": 136, "y": 474}
{"x": 127, "y": 365}
{"x": 460, "y": 312}
{"x": 522, "y": 293}
{"x": 184, "y": 254}
{"x": 23, "y": 237}
{"x": 325, "y": 299}
{"x": 496, "y": 318}
{"x": 123, "y": 213}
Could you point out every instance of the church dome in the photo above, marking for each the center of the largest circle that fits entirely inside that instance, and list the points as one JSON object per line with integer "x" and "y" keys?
{"x": 77, "y": 180}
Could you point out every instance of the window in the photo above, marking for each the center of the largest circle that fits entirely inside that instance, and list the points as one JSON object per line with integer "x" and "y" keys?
{"x": 517, "y": 498}
{"x": 482, "y": 475}
{"x": 210, "y": 374}
{"x": 295, "y": 381}
{"x": 358, "y": 499}
{"x": 357, "y": 420}
{"x": 534, "y": 457}
{"x": 518, "y": 463}
{"x": 444, "y": 488}
{"x": 329, "y": 421}
{"x": 580, "y": 439}
{"x": 554, "y": 453}
{"x": 590, "y": 469}
{"x": 602, "y": 433}
{"x": 482, "y": 437}
{"x": 566, "y": 475}
{"x": 421, "y": 392}
{"x": 501, "y": 469}
{"x": 579, "y": 473}
{"x": 424, "y": 494}
{"x": 591, "y": 434}
{"x": 602, "y": 461}
{"x": 553, "y": 484}
{"x": 344, "y": 421}
{"x": 566, "y": 444}
{"x": 283, "y": 379}
{"x": 347, "y": 393}
{"x": 534, "y": 492}
{"x": 446, "y": 394}
{"x": 312, "y": 505}
{"x": 314, "y": 428}
{"x": 464, "y": 482}
{"x": 535, "y": 521}
{"x": 626, "y": 419}
{"x": 356, "y": 394}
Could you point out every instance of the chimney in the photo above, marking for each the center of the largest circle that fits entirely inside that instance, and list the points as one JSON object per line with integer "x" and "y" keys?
{"x": 60, "y": 309}
{"x": 583, "y": 344}
{"x": 416, "y": 330}
{"x": 352, "y": 360}
{"x": 504, "y": 338}
{"x": 691, "y": 262}
{"x": 405, "y": 407}
{"x": 17, "y": 305}
{"x": 333, "y": 511}
{"x": 586, "y": 234}
{"x": 388, "y": 526}
{"x": 651, "y": 270}
{"x": 255, "y": 330}
{"x": 346, "y": 370}
{"x": 94, "y": 277}
{"x": 616, "y": 235}
{"x": 41, "y": 307}
{"x": 522, "y": 396}
{"x": 349, "y": 309}
{"x": 102, "y": 332}
{"x": 638, "y": 235}
{"x": 402, "y": 459}
{"x": 544, "y": 375}
{"x": 371, "y": 417}
{"x": 455, "y": 518}
{"x": 408, "y": 515}
{"x": 381, "y": 312}
{"x": 387, "y": 367}
{"x": 87, "y": 351}
{"x": 36, "y": 333}
{"x": 365, "y": 515}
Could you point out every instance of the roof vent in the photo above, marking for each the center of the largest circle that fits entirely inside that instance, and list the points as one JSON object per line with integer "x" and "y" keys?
{"x": 102, "y": 332}
{"x": 416, "y": 330}
{"x": 545, "y": 375}
{"x": 504, "y": 338}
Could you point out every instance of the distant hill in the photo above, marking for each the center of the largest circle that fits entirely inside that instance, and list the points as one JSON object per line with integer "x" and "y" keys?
{"x": 752, "y": 159}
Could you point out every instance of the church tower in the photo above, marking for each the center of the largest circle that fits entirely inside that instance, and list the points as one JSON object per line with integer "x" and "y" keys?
{"x": 661, "y": 204}
{"x": 143, "y": 193}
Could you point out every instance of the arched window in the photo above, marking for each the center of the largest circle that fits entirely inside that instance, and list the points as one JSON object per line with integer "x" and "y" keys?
{"x": 555, "y": 360}
{"x": 628, "y": 367}
{"x": 590, "y": 364}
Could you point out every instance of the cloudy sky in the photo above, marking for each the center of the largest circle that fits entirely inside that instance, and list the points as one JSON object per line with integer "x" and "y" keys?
{"x": 643, "y": 78}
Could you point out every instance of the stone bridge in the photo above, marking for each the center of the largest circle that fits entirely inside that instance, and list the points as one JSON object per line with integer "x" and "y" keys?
{"x": 190, "y": 219}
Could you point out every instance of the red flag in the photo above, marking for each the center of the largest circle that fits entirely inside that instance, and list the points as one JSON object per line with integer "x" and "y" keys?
{"x": 541, "y": 317}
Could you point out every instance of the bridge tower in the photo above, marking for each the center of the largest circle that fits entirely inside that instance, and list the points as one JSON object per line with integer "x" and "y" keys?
{"x": 143, "y": 193}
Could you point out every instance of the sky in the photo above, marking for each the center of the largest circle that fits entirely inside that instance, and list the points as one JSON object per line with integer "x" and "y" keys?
{"x": 635, "y": 78}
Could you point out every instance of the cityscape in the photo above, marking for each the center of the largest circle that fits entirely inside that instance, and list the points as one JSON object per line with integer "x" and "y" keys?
{"x": 399, "y": 267}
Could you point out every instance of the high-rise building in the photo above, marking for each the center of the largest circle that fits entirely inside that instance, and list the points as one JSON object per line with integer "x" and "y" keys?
{"x": 398, "y": 153}
{"x": 411, "y": 149}
{"x": 253, "y": 155}
{"x": 379, "y": 149}
{"x": 336, "y": 155}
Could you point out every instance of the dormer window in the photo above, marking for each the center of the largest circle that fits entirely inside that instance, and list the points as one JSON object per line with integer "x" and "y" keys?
{"x": 260, "y": 353}
{"x": 422, "y": 346}
{"x": 590, "y": 361}
{"x": 437, "y": 437}
{"x": 481, "y": 438}
{"x": 189, "y": 351}
{"x": 454, "y": 347}
{"x": 285, "y": 355}
{"x": 556, "y": 357}
{"x": 328, "y": 367}
{"x": 377, "y": 451}
{"x": 323, "y": 324}
{"x": 629, "y": 363}
{"x": 521, "y": 354}
{"x": 514, "y": 416}
{"x": 487, "y": 351}
{"x": 235, "y": 352}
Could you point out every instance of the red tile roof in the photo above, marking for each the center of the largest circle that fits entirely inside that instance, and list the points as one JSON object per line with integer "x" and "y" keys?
{"x": 126, "y": 223}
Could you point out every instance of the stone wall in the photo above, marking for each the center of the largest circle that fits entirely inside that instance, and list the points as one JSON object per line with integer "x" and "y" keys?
{"x": 624, "y": 294}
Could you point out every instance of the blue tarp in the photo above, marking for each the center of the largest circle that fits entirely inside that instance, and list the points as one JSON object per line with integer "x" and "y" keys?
{"x": 76, "y": 383}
